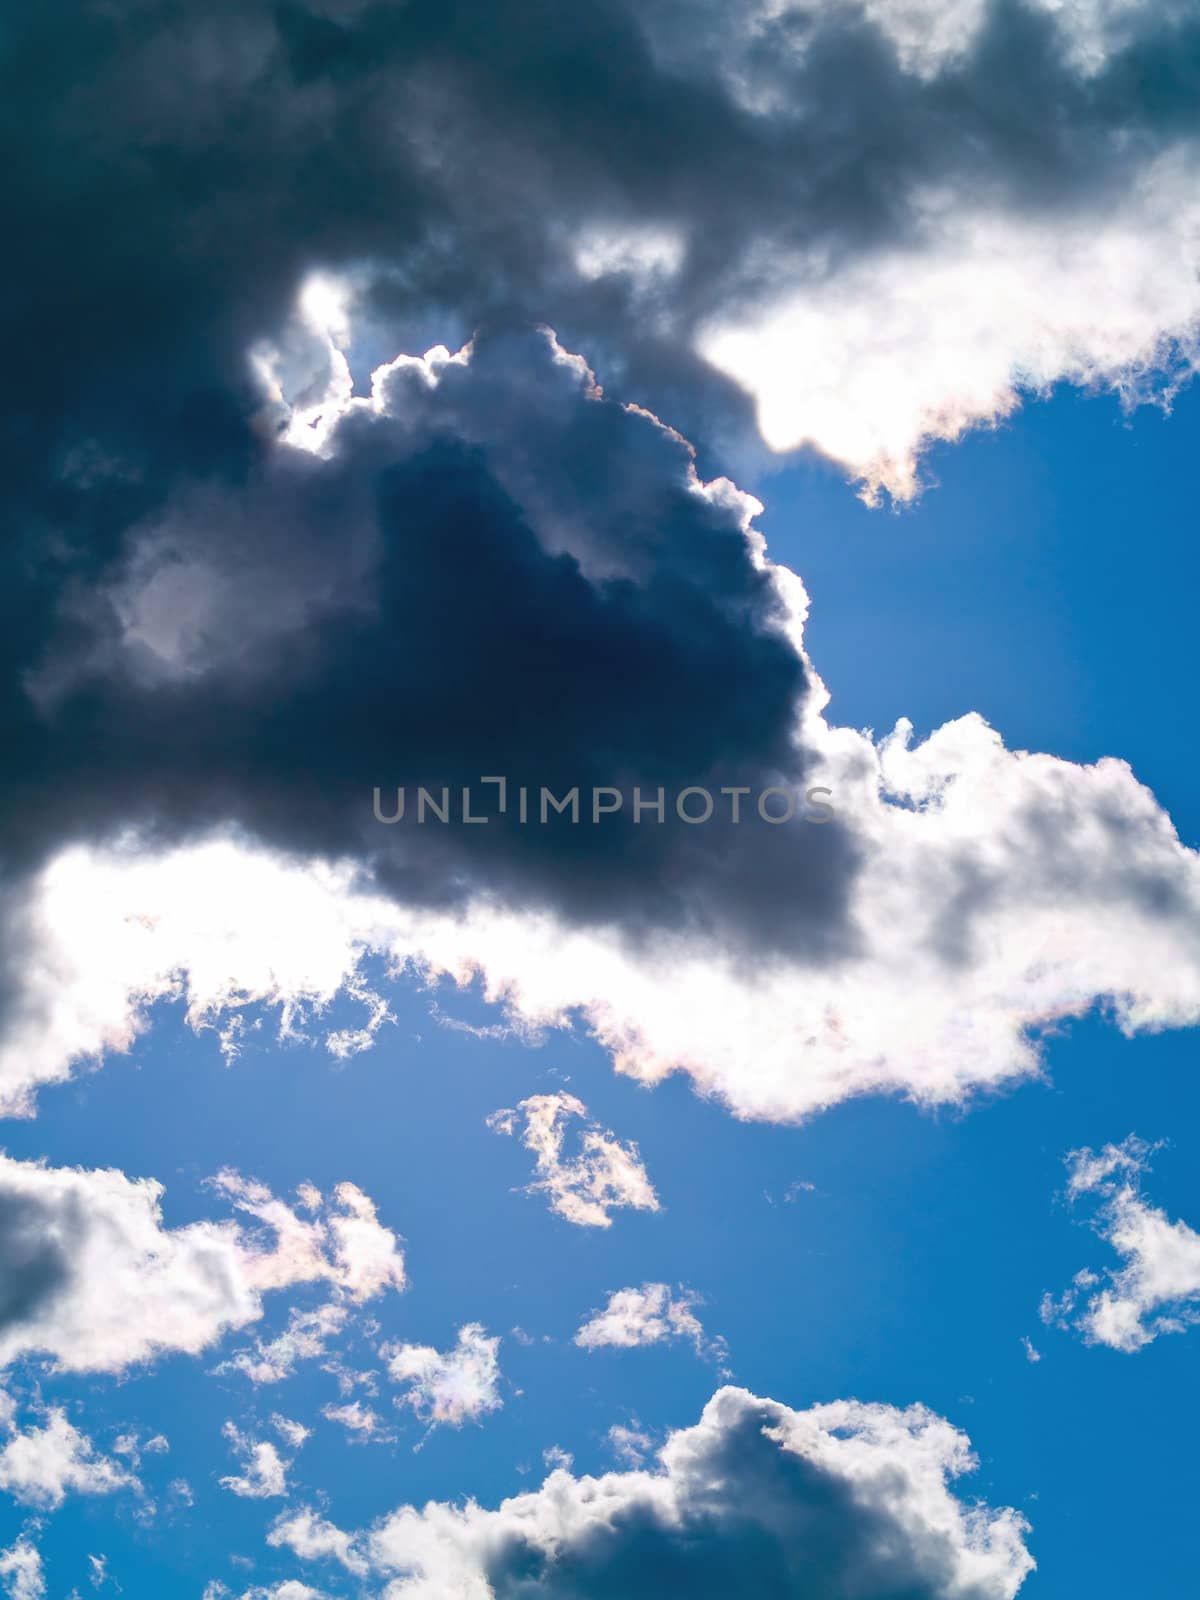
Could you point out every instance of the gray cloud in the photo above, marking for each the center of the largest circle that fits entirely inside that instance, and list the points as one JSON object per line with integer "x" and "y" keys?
{"x": 498, "y": 573}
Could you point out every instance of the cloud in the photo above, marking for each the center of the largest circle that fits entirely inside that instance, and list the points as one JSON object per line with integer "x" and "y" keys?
{"x": 604, "y": 1176}
{"x": 289, "y": 1589}
{"x": 91, "y": 1277}
{"x": 313, "y": 1538}
{"x": 304, "y": 1339}
{"x": 649, "y": 1315}
{"x": 41, "y": 1466}
{"x": 291, "y": 1432}
{"x": 962, "y": 898}
{"x": 844, "y": 1498}
{"x": 842, "y": 179}
{"x": 450, "y": 1387}
{"x": 21, "y": 1570}
{"x": 133, "y": 1449}
{"x": 631, "y": 1445}
{"x": 265, "y": 1476}
{"x": 950, "y": 329}
{"x": 360, "y": 1421}
{"x": 1157, "y": 1290}
{"x": 348, "y": 1246}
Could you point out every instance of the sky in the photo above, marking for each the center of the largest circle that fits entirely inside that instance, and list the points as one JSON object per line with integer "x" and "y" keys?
{"x": 789, "y": 402}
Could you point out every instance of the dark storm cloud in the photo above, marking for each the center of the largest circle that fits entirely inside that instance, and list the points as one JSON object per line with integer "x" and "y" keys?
{"x": 501, "y": 575}
{"x": 174, "y": 172}
{"x": 174, "y": 175}
{"x": 34, "y": 1260}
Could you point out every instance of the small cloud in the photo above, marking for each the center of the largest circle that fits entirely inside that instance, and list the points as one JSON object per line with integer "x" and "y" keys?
{"x": 265, "y": 1474}
{"x": 630, "y": 1445}
{"x": 360, "y": 1421}
{"x": 1157, "y": 1289}
{"x": 292, "y": 1433}
{"x": 604, "y": 1176}
{"x": 304, "y": 1339}
{"x": 448, "y": 1387}
{"x": 649, "y": 1315}
{"x": 312, "y": 1538}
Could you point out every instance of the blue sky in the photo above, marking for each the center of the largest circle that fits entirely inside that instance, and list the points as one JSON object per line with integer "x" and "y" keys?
{"x": 878, "y": 1252}
{"x": 785, "y": 398}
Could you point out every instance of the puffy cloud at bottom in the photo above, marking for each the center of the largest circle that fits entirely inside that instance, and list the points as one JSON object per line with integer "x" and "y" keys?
{"x": 842, "y": 1502}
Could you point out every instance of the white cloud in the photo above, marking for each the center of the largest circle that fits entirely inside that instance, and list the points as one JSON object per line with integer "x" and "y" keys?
{"x": 291, "y": 1432}
{"x": 649, "y": 1315}
{"x": 265, "y": 1474}
{"x": 844, "y": 1498}
{"x": 953, "y": 327}
{"x": 289, "y": 1589}
{"x": 631, "y": 1445}
{"x": 41, "y": 1466}
{"x": 359, "y": 1420}
{"x": 366, "y": 1254}
{"x": 452, "y": 1386}
{"x": 1157, "y": 1290}
{"x": 21, "y": 1570}
{"x": 304, "y": 1339}
{"x": 93, "y": 1279}
{"x": 109, "y": 945}
{"x": 348, "y": 1246}
{"x": 312, "y": 1538}
{"x": 604, "y": 1176}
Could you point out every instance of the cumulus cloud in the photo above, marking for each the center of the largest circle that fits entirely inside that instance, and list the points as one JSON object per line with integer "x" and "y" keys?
{"x": 604, "y": 1176}
{"x": 92, "y": 1278}
{"x": 1157, "y": 1289}
{"x": 649, "y": 1315}
{"x": 756, "y": 1498}
{"x": 448, "y": 1387}
{"x": 265, "y": 1474}
{"x": 963, "y": 896}
{"x": 41, "y": 1466}
{"x": 21, "y": 1570}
